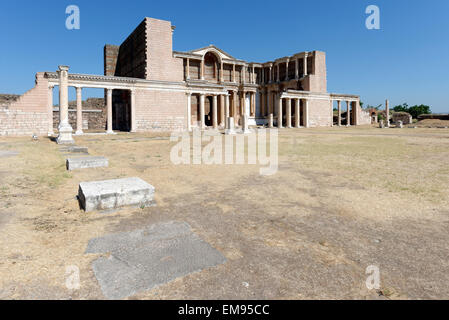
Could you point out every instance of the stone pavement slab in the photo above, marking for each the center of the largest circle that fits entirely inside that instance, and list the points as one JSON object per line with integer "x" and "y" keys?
{"x": 142, "y": 259}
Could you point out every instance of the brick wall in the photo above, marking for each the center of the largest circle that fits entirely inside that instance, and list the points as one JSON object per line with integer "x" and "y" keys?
{"x": 110, "y": 59}
{"x": 94, "y": 114}
{"x": 28, "y": 114}
{"x": 320, "y": 113}
{"x": 160, "y": 62}
{"x": 160, "y": 110}
{"x": 316, "y": 81}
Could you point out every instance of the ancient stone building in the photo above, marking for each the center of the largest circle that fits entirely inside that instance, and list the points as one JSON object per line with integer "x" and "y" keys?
{"x": 149, "y": 87}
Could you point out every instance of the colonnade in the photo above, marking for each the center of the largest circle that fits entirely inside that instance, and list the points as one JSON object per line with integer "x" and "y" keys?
{"x": 349, "y": 113}
{"x": 228, "y": 107}
{"x": 64, "y": 127}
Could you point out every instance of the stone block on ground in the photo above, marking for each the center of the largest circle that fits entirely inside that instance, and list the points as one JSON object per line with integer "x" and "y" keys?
{"x": 142, "y": 259}
{"x": 75, "y": 149}
{"x": 116, "y": 193}
{"x": 86, "y": 162}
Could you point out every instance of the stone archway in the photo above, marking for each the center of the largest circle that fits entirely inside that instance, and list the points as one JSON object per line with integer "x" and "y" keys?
{"x": 211, "y": 67}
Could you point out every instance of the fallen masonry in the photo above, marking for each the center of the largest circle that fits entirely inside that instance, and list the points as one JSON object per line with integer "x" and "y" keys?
{"x": 116, "y": 193}
{"x": 86, "y": 162}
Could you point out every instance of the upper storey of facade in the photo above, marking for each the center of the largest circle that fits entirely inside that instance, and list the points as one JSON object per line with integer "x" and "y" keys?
{"x": 148, "y": 53}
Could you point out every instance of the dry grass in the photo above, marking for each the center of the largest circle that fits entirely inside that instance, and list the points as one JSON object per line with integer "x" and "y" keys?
{"x": 345, "y": 174}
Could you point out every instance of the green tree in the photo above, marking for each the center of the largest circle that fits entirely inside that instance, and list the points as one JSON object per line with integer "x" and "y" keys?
{"x": 401, "y": 108}
{"x": 415, "y": 111}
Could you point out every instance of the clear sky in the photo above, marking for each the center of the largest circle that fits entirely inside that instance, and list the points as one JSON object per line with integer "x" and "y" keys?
{"x": 407, "y": 60}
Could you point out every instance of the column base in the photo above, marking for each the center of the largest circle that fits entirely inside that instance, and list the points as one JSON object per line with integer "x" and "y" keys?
{"x": 79, "y": 132}
{"x": 65, "y": 135}
{"x": 110, "y": 132}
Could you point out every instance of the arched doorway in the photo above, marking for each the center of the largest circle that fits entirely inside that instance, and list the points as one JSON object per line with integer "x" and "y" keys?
{"x": 211, "y": 67}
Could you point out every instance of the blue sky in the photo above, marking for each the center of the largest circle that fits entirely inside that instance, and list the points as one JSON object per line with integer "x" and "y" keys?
{"x": 406, "y": 61}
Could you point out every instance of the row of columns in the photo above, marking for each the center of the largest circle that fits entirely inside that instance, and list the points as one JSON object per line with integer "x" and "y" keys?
{"x": 277, "y": 66}
{"x": 226, "y": 111}
{"x": 348, "y": 112}
{"x": 288, "y": 109}
{"x": 64, "y": 127}
{"x": 252, "y": 73}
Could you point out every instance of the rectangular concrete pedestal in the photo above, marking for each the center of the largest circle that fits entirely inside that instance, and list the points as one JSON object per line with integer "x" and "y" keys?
{"x": 111, "y": 194}
{"x": 86, "y": 162}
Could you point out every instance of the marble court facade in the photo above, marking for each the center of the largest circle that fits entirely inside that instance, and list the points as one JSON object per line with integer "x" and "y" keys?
{"x": 150, "y": 87}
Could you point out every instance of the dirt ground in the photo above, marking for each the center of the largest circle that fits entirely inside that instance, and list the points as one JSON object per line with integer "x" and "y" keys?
{"x": 343, "y": 199}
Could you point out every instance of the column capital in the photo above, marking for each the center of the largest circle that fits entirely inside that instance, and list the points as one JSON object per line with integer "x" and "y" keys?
{"x": 63, "y": 68}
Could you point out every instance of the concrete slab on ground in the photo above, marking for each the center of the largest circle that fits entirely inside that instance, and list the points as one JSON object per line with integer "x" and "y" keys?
{"x": 143, "y": 259}
{"x": 115, "y": 193}
{"x": 86, "y": 162}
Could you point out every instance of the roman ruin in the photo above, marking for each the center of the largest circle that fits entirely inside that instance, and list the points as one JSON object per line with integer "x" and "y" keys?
{"x": 150, "y": 87}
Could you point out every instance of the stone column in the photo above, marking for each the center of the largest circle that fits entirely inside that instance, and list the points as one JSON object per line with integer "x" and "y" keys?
{"x": 305, "y": 64}
{"x": 254, "y": 76}
{"x": 288, "y": 106}
{"x": 270, "y": 120}
{"x": 189, "y": 111}
{"x": 202, "y": 69}
{"x": 226, "y": 110}
{"x": 387, "y": 113}
{"x": 339, "y": 113}
{"x": 269, "y": 75}
{"x": 332, "y": 112}
{"x": 202, "y": 113}
{"x": 234, "y": 106}
{"x": 296, "y": 69}
{"x": 221, "y": 72}
{"x": 280, "y": 115}
{"x": 243, "y": 74}
{"x": 109, "y": 110}
{"x": 79, "y": 111}
{"x": 243, "y": 104}
{"x": 50, "y": 111}
{"x": 188, "y": 69}
{"x": 65, "y": 129}
{"x": 245, "y": 128}
{"x": 348, "y": 113}
{"x": 306, "y": 112}
{"x": 233, "y": 72}
{"x": 133, "y": 110}
{"x": 262, "y": 75}
{"x": 214, "y": 112}
{"x": 286, "y": 70}
{"x": 222, "y": 111}
{"x": 278, "y": 72}
{"x": 262, "y": 103}
{"x": 297, "y": 118}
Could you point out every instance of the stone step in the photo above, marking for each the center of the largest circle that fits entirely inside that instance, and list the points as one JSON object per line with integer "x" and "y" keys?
{"x": 116, "y": 193}
{"x": 86, "y": 162}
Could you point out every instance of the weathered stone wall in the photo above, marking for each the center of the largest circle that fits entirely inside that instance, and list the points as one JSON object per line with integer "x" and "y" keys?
{"x": 94, "y": 114}
{"x": 28, "y": 114}
{"x": 160, "y": 110}
{"x": 319, "y": 113}
{"x": 159, "y": 52}
{"x": 110, "y": 59}
{"x": 316, "y": 81}
{"x": 405, "y": 117}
